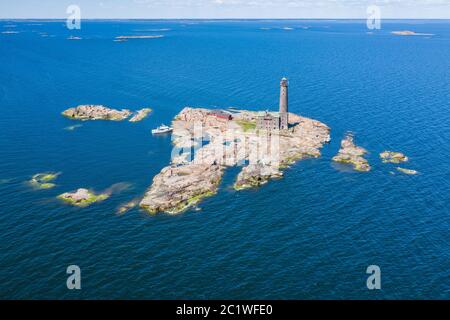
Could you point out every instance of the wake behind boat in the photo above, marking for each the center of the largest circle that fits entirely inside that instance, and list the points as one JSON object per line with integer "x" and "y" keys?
{"x": 162, "y": 129}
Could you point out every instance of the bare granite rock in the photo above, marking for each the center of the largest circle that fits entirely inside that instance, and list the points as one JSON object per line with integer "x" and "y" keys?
{"x": 255, "y": 175}
{"x": 96, "y": 112}
{"x": 140, "y": 115}
{"x": 175, "y": 189}
{"x": 350, "y": 153}
{"x": 195, "y": 175}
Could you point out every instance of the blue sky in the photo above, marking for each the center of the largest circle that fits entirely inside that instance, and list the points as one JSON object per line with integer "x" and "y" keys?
{"x": 225, "y": 8}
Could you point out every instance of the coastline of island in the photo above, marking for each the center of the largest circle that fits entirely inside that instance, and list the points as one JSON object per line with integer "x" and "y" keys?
{"x": 100, "y": 112}
{"x": 208, "y": 141}
{"x": 191, "y": 177}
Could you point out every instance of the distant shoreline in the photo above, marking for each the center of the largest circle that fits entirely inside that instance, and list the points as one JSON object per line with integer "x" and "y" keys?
{"x": 139, "y": 37}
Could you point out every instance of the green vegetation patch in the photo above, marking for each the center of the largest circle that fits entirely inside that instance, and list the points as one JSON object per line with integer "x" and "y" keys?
{"x": 246, "y": 125}
{"x": 184, "y": 205}
{"x": 82, "y": 201}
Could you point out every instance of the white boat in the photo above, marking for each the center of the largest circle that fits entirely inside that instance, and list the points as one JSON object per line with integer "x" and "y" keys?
{"x": 162, "y": 129}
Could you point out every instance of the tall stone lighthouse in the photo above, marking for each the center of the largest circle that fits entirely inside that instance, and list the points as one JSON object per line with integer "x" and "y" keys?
{"x": 284, "y": 120}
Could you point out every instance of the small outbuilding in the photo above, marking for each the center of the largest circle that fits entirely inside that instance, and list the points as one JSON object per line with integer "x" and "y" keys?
{"x": 221, "y": 114}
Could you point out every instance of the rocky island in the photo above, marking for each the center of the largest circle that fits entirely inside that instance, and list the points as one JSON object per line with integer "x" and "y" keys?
{"x": 352, "y": 154}
{"x": 208, "y": 141}
{"x": 100, "y": 112}
{"x": 262, "y": 143}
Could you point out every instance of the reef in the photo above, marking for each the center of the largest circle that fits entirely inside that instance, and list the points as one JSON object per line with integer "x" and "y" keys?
{"x": 82, "y": 197}
{"x": 72, "y": 128}
{"x": 44, "y": 180}
{"x": 352, "y": 154}
{"x": 393, "y": 157}
{"x": 128, "y": 206}
{"x": 195, "y": 175}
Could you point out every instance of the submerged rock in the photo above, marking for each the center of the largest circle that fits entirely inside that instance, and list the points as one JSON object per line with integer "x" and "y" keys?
{"x": 96, "y": 112}
{"x": 71, "y": 128}
{"x": 82, "y": 197}
{"x": 128, "y": 206}
{"x": 393, "y": 157}
{"x": 407, "y": 171}
{"x": 44, "y": 180}
{"x": 140, "y": 115}
{"x": 4, "y": 181}
{"x": 352, "y": 154}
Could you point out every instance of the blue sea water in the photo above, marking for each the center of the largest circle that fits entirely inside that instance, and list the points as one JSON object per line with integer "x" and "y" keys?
{"x": 310, "y": 235}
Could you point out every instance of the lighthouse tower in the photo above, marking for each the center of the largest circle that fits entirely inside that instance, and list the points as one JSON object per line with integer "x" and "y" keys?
{"x": 284, "y": 104}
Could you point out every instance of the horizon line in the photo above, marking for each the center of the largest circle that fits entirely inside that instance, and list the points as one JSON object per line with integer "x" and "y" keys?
{"x": 255, "y": 19}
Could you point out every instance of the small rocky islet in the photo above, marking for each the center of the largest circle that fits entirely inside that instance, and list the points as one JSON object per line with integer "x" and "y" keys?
{"x": 410, "y": 33}
{"x": 393, "y": 157}
{"x": 396, "y": 158}
{"x": 100, "y": 112}
{"x": 82, "y": 197}
{"x": 352, "y": 154}
{"x": 407, "y": 171}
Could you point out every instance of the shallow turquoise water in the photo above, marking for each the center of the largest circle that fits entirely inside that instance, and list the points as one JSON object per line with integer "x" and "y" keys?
{"x": 309, "y": 235}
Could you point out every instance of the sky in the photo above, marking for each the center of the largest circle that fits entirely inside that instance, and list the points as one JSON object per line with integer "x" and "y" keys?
{"x": 218, "y": 9}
